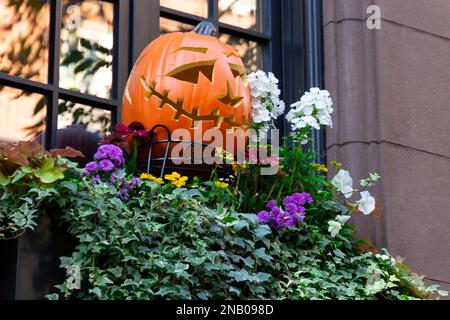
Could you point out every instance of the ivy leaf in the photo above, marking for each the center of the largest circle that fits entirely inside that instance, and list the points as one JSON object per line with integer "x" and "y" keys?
{"x": 4, "y": 181}
{"x": 261, "y": 254}
{"x": 96, "y": 291}
{"x": 240, "y": 225}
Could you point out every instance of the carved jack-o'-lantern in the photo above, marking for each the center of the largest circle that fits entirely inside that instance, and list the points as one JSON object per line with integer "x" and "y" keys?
{"x": 183, "y": 79}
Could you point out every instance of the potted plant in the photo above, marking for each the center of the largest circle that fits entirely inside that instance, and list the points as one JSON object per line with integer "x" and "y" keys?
{"x": 28, "y": 175}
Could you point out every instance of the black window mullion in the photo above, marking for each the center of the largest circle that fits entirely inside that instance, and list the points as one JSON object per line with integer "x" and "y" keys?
{"x": 53, "y": 72}
{"x": 213, "y": 12}
{"x": 121, "y": 54}
{"x": 88, "y": 100}
{"x": 25, "y": 84}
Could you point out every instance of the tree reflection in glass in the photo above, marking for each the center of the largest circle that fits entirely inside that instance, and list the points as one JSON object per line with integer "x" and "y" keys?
{"x": 86, "y": 47}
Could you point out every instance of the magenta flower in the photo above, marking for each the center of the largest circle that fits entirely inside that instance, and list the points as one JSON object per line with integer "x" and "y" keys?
{"x": 96, "y": 179}
{"x": 263, "y": 217}
{"x": 106, "y": 165}
{"x": 294, "y": 211}
{"x": 92, "y": 166}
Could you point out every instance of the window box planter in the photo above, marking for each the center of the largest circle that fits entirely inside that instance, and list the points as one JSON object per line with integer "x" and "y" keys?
{"x": 30, "y": 263}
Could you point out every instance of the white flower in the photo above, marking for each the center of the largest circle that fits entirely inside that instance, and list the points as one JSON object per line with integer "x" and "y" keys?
{"x": 266, "y": 103}
{"x": 315, "y": 104}
{"x": 343, "y": 219}
{"x": 334, "y": 227}
{"x": 344, "y": 183}
{"x": 367, "y": 203}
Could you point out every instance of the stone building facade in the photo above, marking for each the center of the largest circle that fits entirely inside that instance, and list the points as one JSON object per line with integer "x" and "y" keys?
{"x": 391, "y": 88}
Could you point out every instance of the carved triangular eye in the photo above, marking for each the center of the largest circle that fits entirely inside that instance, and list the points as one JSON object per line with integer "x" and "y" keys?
{"x": 237, "y": 70}
{"x": 190, "y": 72}
{"x": 193, "y": 49}
{"x": 231, "y": 54}
{"x": 230, "y": 99}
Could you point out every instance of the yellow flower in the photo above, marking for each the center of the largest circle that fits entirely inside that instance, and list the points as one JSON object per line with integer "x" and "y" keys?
{"x": 221, "y": 185}
{"x": 147, "y": 176}
{"x": 174, "y": 176}
{"x": 223, "y": 154}
{"x": 320, "y": 167}
{"x": 336, "y": 164}
{"x": 238, "y": 167}
{"x": 176, "y": 179}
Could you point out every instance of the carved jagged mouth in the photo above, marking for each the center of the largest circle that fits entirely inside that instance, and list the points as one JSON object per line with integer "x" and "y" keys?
{"x": 177, "y": 106}
{"x": 239, "y": 71}
{"x": 230, "y": 99}
{"x": 191, "y": 72}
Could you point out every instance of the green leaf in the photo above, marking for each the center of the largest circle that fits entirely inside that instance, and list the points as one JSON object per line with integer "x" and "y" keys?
{"x": 47, "y": 173}
{"x": 261, "y": 254}
{"x": 96, "y": 291}
{"x": 4, "y": 181}
{"x": 240, "y": 225}
{"x": 53, "y": 296}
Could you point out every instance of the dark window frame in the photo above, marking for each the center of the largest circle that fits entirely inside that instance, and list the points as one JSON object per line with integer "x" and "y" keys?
{"x": 53, "y": 92}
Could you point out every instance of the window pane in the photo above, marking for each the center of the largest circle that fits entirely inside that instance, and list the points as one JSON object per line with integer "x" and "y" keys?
{"x": 22, "y": 115}
{"x": 195, "y": 7}
{"x": 94, "y": 120}
{"x": 241, "y": 13}
{"x": 167, "y": 26}
{"x": 86, "y": 47}
{"x": 249, "y": 51}
{"x": 23, "y": 38}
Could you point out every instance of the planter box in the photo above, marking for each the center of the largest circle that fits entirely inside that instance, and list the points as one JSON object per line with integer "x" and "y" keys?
{"x": 29, "y": 266}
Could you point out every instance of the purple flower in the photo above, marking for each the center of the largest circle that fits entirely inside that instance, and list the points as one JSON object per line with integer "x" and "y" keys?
{"x": 111, "y": 152}
{"x": 115, "y": 179}
{"x": 263, "y": 217}
{"x": 133, "y": 183}
{"x": 308, "y": 198}
{"x": 85, "y": 173}
{"x": 301, "y": 216}
{"x": 123, "y": 194}
{"x": 96, "y": 179}
{"x": 294, "y": 211}
{"x": 92, "y": 166}
{"x": 106, "y": 165}
{"x": 100, "y": 154}
{"x": 271, "y": 204}
{"x": 285, "y": 220}
{"x": 291, "y": 208}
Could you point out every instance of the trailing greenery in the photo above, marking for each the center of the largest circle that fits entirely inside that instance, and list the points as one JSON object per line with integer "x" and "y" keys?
{"x": 27, "y": 176}
{"x": 168, "y": 243}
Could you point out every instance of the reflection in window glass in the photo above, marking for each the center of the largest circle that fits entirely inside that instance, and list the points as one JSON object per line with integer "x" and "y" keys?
{"x": 249, "y": 51}
{"x": 195, "y": 7}
{"x": 86, "y": 47}
{"x": 22, "y": 115}
{"x": 167, "y": 26}
{"x": 241, "y": 13}
{"x": 23, "y": 38}
{"x": 94, "y": 120}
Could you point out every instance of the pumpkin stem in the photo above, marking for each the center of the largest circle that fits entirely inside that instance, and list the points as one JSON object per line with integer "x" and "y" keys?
{"x": 206, "y": 28}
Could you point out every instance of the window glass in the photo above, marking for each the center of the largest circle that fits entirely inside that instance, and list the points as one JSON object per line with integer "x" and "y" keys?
{"x": 94, "y": 120}
{"x": 195, "y": 7}
{"x": 22, "y": 115}
{"x": 167, "y": 26}
{"x": 244, "y": 14}
{"x": 249, "y": 51}
{"x": 86, "y": 47}
{"x": 24, "y": 38}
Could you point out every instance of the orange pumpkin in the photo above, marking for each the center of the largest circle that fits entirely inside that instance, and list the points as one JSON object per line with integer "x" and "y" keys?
{"x": 184, "y": 78}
